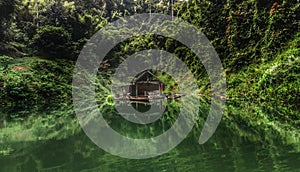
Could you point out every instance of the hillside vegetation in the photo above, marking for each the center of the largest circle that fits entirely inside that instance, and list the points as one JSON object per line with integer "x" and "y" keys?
{"x": 258, "y": 43}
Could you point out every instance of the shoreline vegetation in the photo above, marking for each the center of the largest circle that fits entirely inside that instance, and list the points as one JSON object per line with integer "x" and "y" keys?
{"x": 240, "y": 113}
{"x": 258, "y": 43}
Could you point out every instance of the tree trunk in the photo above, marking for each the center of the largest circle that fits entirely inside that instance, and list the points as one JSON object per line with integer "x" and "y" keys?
{"x": 37, "y": 12}
{"x": 172, "y": 9}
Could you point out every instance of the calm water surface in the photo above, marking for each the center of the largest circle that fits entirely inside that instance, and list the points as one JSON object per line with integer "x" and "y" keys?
{"x": 227, "y": 150}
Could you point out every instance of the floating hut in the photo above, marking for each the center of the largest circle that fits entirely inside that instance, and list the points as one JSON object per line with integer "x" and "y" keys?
{"x": 146, "y": 86}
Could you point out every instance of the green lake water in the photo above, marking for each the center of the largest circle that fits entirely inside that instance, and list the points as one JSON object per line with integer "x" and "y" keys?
{"x": 227, "y": 150}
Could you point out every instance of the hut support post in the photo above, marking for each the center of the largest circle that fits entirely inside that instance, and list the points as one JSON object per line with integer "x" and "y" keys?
{"x": 159, "y": 88}
{"x": 136, "y": 90}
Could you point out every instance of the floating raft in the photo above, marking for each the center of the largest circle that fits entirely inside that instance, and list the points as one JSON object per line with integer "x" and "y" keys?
{"x": 139, "y": 98}
{"x": 148, "y": 98}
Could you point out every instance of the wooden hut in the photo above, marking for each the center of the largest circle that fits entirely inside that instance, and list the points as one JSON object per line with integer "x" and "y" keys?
{"x": 146, "y": 86}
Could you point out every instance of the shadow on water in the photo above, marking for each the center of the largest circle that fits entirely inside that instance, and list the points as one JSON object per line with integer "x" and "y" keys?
{"x": 229, "y": 149}
{"x": 141, "y": 107}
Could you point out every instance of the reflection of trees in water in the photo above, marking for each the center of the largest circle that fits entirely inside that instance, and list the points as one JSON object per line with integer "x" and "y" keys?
{"x": 231, "y": 147}
{"x": 228, "y": 150}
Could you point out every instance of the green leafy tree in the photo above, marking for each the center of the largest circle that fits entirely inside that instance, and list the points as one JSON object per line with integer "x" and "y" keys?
{"x": 52, "y": 41}
{"x": 7, "y": 8}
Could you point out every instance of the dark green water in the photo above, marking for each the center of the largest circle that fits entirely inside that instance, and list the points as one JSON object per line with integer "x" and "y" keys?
{"x": 227, "y": 150}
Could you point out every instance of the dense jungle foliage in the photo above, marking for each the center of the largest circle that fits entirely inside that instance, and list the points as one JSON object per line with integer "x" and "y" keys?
{"x": 258, "y": 43}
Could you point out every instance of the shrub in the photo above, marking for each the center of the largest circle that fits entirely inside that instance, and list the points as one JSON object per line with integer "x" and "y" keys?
{"x": 52, "y": 41}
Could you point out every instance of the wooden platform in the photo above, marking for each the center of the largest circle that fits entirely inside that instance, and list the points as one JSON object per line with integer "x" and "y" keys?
{"x": 147, "y": 98}
{"x": 139, "y": 98}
